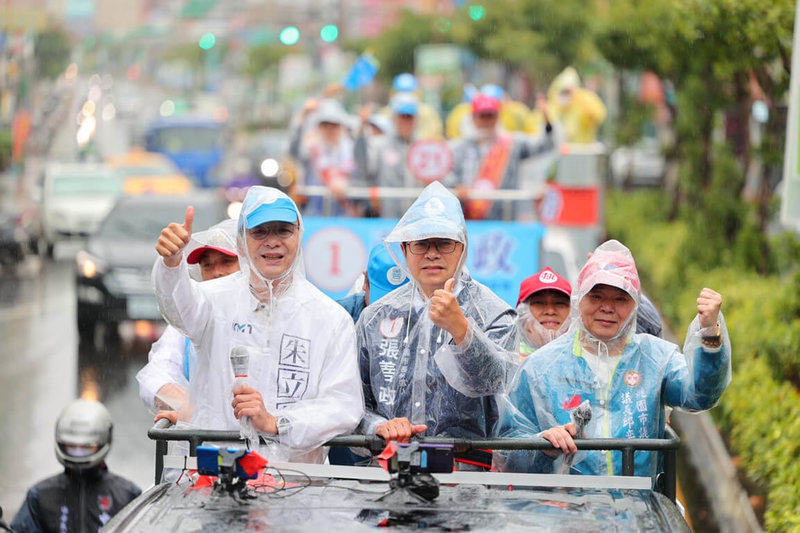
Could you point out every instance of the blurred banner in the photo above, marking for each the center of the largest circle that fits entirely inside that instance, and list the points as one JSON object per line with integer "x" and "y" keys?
{"x": 500, "y": 254}
{"x": 790, "y": 198}
{"x": 362, "y": 73}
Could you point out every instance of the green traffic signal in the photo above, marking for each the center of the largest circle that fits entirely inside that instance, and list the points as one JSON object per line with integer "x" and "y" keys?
{"x": 476, "y": 12}
{"x": 207, "y": 41}
{"x": 329, "y": 33}
{"x": 289, "y": 35}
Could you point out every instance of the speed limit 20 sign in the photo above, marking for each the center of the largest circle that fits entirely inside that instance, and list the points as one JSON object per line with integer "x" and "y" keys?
{"x": 429, "y": 160}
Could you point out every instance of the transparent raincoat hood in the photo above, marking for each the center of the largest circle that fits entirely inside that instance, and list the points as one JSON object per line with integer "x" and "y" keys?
{"x": 435, "y": 214}
{"x": 611, "y": 264}
{"x": 220, "y": 237}
{"x": 258, "y": 198}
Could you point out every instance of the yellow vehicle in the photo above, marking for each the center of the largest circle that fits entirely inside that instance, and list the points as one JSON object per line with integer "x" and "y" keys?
{"x": 149, "y": 173}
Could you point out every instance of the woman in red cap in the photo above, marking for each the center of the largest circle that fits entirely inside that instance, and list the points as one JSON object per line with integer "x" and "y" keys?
{"x": 542, "y": 310}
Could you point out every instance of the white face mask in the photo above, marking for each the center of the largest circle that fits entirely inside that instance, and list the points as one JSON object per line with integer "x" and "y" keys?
{"x": 485, "y": 134}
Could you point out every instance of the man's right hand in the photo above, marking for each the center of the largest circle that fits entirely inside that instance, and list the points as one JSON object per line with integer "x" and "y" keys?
{"x": 174, "y": 238}
{"x": 399, "y": 429}
{"x": 561, "y": 439}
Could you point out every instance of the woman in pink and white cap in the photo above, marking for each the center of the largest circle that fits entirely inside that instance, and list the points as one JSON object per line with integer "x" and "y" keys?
{"x": 602, "y": 379}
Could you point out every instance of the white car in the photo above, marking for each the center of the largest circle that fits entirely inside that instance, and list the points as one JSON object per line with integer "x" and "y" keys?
{"x": 75, "y": 199}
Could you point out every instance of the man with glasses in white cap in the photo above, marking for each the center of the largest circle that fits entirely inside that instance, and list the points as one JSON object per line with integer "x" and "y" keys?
{"x": 434, "y": 352}
{"x": 302, "y": 371}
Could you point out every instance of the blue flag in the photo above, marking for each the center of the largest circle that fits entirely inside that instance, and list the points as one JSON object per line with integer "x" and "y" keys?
{"x": 362, "y": 73}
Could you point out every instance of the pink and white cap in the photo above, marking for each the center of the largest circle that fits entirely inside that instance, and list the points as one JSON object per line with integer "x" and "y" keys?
{"x": 610, "y": 264}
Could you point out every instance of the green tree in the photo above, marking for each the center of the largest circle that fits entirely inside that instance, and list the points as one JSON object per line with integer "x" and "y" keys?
{"x": 262, "y": 57}
{"x": 51, "y": 52}
{"x": 395, "y": 47}
{"x": 712, "y": 50}
{"x": 540, "y": 37}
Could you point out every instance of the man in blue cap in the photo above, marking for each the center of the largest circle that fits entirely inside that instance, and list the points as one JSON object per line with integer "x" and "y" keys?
{"x": 382, "y": 160}
{"x": 434, "y": 353}
{"x": 303, "y": 379}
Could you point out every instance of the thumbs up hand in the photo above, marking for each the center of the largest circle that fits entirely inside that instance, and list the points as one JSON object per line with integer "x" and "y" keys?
{"x": 446, "y": 313}
{"x": 174, "y": 238}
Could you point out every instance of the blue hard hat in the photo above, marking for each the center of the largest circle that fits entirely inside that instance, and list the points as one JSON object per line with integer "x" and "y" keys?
{"x": 405, "y": 82}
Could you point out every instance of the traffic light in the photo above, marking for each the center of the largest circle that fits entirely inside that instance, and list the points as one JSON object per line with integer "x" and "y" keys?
{"x": 207, "y": 41}
{"x": 329, "y": 33}
{"x": 289, "y": 35}
{"x": 476, "y": 11}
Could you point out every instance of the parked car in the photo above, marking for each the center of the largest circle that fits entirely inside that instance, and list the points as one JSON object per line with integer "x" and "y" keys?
{"x": 75, "y": 199}
{"x": 113, "y": 274}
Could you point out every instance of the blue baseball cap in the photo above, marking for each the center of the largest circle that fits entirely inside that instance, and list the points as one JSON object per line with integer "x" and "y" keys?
{"x": 264, "y": 204}
{"x": 383, "y": 274}
{"x": 405, "y": 82}
{"x": 404, "y": 104}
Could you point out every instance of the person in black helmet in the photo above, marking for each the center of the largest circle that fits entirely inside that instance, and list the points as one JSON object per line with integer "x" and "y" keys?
{"x": 86, "y": 495}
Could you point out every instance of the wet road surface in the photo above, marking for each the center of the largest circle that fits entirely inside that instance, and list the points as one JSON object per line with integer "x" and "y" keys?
{"x": 43, "y": 368}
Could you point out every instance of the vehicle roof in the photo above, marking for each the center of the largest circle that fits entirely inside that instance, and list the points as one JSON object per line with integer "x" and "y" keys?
{"x": 307, "y": 504}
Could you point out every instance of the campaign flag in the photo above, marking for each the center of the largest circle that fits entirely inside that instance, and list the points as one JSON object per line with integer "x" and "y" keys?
{"x": 362, "y": 73}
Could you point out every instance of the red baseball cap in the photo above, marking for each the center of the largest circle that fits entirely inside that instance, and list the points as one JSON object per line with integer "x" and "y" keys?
{"x": 483, "y": 103}
{"x": 194, "y": 257}
{"x": 546, "y": 280}
{"x": 220, "y": 237}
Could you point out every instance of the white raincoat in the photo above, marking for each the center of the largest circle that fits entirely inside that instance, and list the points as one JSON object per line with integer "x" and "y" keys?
{"x": 302, "y": 346}
{"x": 173, "y": 357}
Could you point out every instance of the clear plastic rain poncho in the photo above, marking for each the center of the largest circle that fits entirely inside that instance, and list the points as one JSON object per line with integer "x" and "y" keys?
{"x": 301, "y": 344}
{"x": 532, "y": 334}
{"x": 412, "y": 368}
{"x": 164, "y": 380}
{"x": 628, "y": 380}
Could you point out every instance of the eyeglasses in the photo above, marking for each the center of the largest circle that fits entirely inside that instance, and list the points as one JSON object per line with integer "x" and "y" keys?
{"x": 283, "y": 231}
{"x": 443, "y": 246}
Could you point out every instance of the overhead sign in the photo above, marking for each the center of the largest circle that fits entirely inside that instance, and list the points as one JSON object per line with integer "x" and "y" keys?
{"x": 429, "y": 160}
{"x": 569, "y": 206}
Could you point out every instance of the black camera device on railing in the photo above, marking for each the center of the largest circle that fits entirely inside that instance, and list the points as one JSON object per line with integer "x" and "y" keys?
{"x": 413, "y": 465}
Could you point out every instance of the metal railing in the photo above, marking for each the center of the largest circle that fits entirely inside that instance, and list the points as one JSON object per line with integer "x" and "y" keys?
{"x": 506, "y": 196}
{"x": 665, "y": 481}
